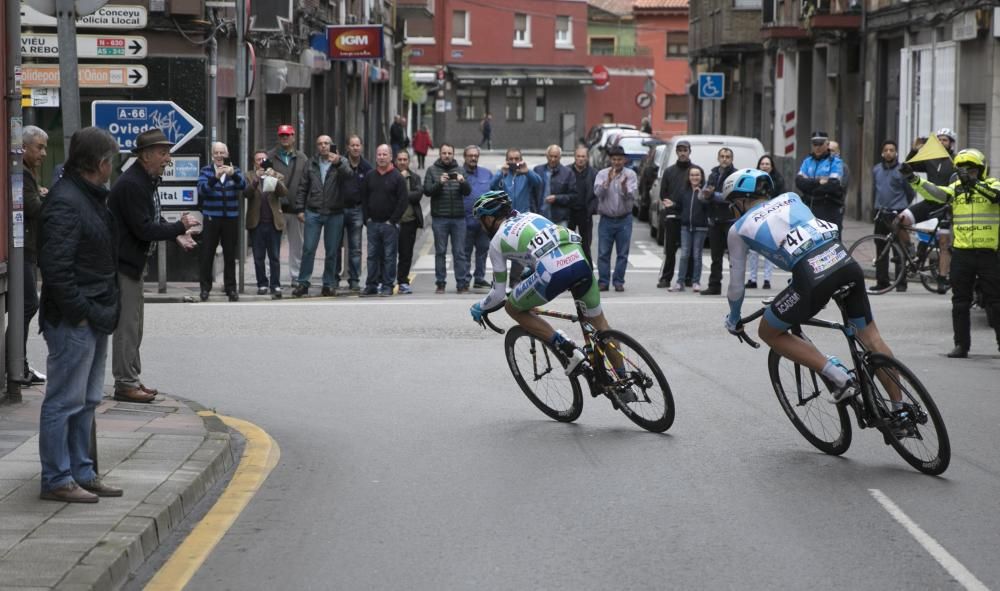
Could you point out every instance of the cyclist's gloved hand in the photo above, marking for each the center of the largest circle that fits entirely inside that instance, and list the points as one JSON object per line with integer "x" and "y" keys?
{"x": 734, "y": 328}
{"x": 477, "y": 313}
{"x": 907, "y": 171}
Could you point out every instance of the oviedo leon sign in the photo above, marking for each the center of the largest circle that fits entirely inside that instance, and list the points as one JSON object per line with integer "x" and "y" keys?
{"x": 347, "y": 42}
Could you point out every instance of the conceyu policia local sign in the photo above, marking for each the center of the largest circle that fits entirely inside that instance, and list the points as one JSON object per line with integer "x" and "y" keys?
{"x": 348, "y": 42}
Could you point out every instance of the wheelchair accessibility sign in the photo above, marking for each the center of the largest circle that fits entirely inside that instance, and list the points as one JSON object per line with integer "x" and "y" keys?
{"x": 711, "y": 86}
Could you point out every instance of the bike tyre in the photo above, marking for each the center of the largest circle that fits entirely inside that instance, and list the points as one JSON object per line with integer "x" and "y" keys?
{"x": 866, "y": 252}
{"x": 664, "y": 416}
{"x": 834, "y": 440}
{"x": 915, "y": 391}
{"x": 929, "y": 279}
{"x": 564, "y": 407}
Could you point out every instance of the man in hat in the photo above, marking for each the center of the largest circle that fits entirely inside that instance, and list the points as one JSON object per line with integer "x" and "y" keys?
{"x": 616, "y": 188}
{"x": 292, "y": 164}
{"x": 820, "y": 181}
{"x": 135, "y": 205}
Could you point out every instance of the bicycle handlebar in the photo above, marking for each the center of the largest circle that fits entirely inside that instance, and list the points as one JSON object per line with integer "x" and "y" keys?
{"x": 743, "y": 336}
{"x": 488, "y": 323}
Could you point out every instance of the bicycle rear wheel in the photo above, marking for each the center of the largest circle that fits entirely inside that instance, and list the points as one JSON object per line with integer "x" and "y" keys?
{"x": 918, "y": 434}
{"x": 540, "y": 372}
{"x": 874, "y": 250}
{"x": 929, "y": 276}
{"x": 634, "y": 381}
{"x": 799, "y": 390}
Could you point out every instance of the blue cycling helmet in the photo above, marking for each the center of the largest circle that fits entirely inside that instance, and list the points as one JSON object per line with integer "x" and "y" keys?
{"x": 492, "y": 203}
{"x": 748, "y": 182}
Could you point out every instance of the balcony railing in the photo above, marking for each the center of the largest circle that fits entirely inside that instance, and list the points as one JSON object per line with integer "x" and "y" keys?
{"x": 620, "y": 51}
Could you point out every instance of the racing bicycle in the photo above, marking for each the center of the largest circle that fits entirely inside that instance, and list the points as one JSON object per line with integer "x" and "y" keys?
{"x": 615, "y": 366}
{"x": 916, "y": 431}
{"x": 889, "y": 251}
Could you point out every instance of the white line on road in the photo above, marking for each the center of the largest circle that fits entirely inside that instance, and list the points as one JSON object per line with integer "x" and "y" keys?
{"x": 396, "y": 300}
{"x": 955, "y": 568}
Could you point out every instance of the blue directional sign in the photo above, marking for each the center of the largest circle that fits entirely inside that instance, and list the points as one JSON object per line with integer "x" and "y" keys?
{"x": 711, "y": 86}
{"x": 127, "y": 119}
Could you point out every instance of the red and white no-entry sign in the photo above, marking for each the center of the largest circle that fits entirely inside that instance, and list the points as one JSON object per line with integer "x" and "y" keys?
{"x": 601, "y": 77}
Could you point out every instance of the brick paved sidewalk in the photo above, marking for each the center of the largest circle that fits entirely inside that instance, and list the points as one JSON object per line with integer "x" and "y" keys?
{"x": 163, "y": 454}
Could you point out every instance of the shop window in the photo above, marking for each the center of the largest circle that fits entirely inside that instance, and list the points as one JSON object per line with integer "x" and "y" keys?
{"x": 514, "y": 105}
{"x": 675, "y": 107}
{"x": 540, "y": 103}
{"x": 471, "y": 103}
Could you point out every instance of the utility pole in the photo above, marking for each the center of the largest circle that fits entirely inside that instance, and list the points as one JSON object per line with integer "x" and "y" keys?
{"x": 241, "y": 124}
{"x": 69, "y": 81}
{"x": 15, "y": 268}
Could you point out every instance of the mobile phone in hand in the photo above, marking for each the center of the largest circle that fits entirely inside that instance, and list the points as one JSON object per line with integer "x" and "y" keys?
{"x": 227, "y": 161}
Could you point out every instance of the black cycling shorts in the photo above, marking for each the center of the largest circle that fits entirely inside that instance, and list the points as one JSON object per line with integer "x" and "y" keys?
{"x": 814, "y": 280}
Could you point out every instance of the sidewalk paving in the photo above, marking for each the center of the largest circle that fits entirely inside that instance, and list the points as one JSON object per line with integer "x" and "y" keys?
{"x": 165, "y": 457}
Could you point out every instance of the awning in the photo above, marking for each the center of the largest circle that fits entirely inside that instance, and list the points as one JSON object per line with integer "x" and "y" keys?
{"x": 521, "y": 75}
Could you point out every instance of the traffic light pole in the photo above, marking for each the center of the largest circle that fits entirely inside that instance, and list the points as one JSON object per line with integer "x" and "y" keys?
{"x": 15, "y": 268}
{"x": 242, "y": 125}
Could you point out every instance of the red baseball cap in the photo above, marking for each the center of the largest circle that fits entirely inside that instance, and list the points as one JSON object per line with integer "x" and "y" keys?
{"x": 286, "y": 130}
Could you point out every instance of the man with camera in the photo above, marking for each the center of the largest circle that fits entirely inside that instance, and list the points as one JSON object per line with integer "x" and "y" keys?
{"x": 266, "y": 222}
{"x": 219, "y": 189}
{"x": 524, "y": 187}
{"x": 320, "y": 205}
{"x": 447, "y": 187}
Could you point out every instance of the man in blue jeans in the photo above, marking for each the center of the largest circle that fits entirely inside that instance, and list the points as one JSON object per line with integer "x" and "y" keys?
{"x": 320, "y": 206}
{"x": 79, "y": 309}
{"x": 446, "y": 186}
{"x": 350, "y": 189}
{"x": 384, "y": 198}
{"x": 616, "y": 188}
{"x": 476, "y": 239}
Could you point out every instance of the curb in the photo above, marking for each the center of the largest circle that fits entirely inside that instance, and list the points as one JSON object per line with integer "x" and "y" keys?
{"x": 124, "y": 549}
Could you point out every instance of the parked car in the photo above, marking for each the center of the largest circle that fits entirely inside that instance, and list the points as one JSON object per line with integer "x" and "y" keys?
{"x": 598, "y": 153}
{"x": 705, "y": 153}
{"x": 648, "y": 172}
{"x": 598, "y": 133}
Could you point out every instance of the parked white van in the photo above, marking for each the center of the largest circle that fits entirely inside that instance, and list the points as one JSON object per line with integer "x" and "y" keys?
{"x": 704, "y": 153}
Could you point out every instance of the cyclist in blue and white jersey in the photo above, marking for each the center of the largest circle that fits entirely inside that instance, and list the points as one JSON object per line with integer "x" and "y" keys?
{"x": 557, "y": 263}
{"x": 785, "y": 231}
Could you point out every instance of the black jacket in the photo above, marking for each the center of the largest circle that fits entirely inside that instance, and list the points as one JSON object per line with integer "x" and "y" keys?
{"x": 350, "y": 186}
{"x": 324, "y": 196}
{"x": 78, "y": 257}
{"x": 562, "y": 184}
{"x": 447, "y": 198}
{"x": 675, "y": 179}
{"x": 383, "y": 196}
{"x": 414, "y": 193}
{"x": 32, "y": 213}
{"x": 134, "y": 203}
{"x": 585, "y": 201}
{"x": 719, "y": 212}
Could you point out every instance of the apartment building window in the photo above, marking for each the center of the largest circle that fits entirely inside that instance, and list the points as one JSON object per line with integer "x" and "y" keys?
{"x": 675, "y": 107}
{"x": 677, "y": 44}
{"x": 540, "y": 103}
{"x": 927, "y": 89}
{"x": 747, "y": 4}
{"x": 602, "y": 46}
{"x": 522, "y": 30}
{"x": 514, "y": 105}
{"x": 460, "y": 28}
{"x": 564, "y": 32}
{"x": 471, "y": 103}
{"x": 418, "y": 31}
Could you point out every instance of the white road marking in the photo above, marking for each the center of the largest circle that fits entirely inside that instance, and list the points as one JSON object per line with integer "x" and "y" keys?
{"x": 955, "y": 568}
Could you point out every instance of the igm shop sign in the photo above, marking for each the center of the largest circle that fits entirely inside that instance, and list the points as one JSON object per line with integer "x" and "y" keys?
{"x": 347, "y": 42}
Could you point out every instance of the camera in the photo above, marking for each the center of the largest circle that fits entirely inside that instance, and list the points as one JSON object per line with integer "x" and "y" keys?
{"x": 453, "y": 175}
{"x": 227, "y": 161}
{"x": 266, "y": 164}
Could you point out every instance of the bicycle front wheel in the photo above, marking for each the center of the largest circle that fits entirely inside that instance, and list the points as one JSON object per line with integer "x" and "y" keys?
{"x": 635, "y": 381}
{"x": 916, "y": 432}
{"x": 874, "y": 251}
{"x": 826, "y": 426}
{"x": 540, "y": 372}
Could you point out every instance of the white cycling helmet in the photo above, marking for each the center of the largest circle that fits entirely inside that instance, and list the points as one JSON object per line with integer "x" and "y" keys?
{"x": 948, "y": 133}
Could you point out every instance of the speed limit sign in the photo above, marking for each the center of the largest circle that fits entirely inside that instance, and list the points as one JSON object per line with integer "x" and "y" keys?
{"x": 643, "y": 100}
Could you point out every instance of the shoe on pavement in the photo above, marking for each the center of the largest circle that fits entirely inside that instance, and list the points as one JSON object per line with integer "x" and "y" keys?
{"x": 712, "y": 291}
{"x": 464, "y": 289}
{"x": 751, "y": 284}
{"x": 71, "y": 493}
{"x": 661, "y": 284}
{"x": 150, "y": 391}
{"x": 440, "y": 289}
{"x": 696, "y": 286}
{"x": 687, "y": 283}
{"x": 850, "y": 388}
{"x": 679, "y": 286}
{"x": 355, "y": 287}
{"x": 276, "y": 293}
{"x": 133, "y": 395}
{"x": 619, "y": 288}
{"x": 901, "y": 287}
{"x": 203, "y": 295}
{"x": 300, "y": 290}
{"x": 233, "y": 296}
{"x": 328, "y": 292}
{"x": 602, "y": 287}
{"x": 369, "y": 291}
{"x": 878, "y": 287}
{"x": 404, "y": 288}
{"x": 100, "y": 489}
{"x": 34, "y": 376}
{"x": 767, "y": 284}
{"x": 385, "y": 293}
{"x": 261, "y": 291}
{"x": 958, "y": 353}
{"x": 481, "y": 284}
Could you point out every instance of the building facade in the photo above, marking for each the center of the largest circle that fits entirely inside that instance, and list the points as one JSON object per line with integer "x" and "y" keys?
{"x": 523, "y": 62}
{"x": 662, "y": 27}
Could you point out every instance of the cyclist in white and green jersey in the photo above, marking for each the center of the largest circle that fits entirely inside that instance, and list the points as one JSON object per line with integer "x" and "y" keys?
{"x": 556, "y": 259}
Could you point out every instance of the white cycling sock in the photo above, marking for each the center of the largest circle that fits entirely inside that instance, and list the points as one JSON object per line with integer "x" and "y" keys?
{"x": 835, "y": 373}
